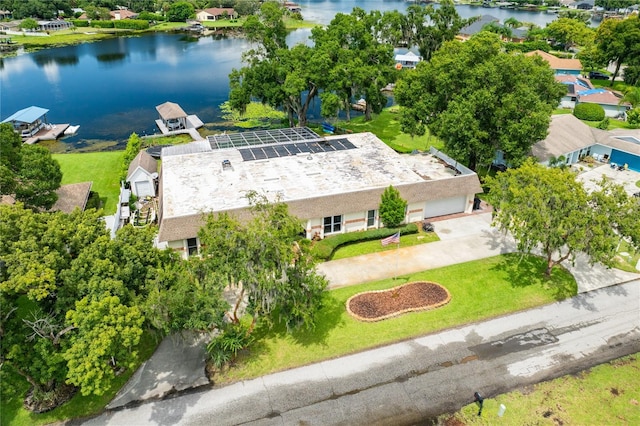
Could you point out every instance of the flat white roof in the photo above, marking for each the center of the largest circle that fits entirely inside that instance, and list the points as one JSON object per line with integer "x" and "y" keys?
{"x": 218, "y": 180}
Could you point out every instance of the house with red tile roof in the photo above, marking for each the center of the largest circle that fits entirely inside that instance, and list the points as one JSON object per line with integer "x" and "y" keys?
{"x": 559, "y": 65}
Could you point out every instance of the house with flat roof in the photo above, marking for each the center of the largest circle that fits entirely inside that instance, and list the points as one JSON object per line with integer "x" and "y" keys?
{"x": 28, "y": 121}
{"x": 574, "y": 140}
{"x": 332, "y": 184}
{"x": 559, "y": 65}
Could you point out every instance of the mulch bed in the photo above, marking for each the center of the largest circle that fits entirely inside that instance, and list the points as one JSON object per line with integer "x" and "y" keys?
{"x": 382, "y": 304}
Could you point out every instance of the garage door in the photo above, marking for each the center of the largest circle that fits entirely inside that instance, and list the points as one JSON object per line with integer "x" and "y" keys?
{"x": 445, "y": 206}
{"x": 143, "y": 189}
{"x": 619, "y": 157}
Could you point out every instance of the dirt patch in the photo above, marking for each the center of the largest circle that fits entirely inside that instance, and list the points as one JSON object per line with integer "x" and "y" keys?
{"x": 615, "y": 391}
{"x": 378, "y": 305}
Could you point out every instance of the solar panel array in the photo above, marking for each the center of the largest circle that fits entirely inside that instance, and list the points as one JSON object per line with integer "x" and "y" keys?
{"x": 289, "y": 149}
{"x": 263, "y": 137}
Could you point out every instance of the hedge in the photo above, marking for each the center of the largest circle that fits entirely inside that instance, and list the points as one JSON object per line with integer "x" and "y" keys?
{"x": 323, "y": 249}
{"x": 80, "y": 22}
{"x": 132, "y": 24}
{"x": 589, "y": 112}
{"x": 102, "y": 24}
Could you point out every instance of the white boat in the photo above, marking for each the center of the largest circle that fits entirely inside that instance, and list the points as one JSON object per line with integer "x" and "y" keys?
{"x": 71, "y": 130}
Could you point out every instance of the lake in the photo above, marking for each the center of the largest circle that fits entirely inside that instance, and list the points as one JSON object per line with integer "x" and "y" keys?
{"x": 111, "y": 88}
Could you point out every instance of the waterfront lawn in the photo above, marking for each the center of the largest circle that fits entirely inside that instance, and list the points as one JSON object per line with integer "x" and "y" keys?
{"x": 480, "y": 290}
{"x": 386, "y": 126}
{"x": 67, "y": 37}
{"x": 602, "y": 395}
{"x": 102, "y": 168}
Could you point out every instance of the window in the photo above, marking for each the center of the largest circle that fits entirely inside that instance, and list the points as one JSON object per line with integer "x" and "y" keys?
{"x": 332, "y": 224}
{"x": 192, "y": 246}
{"x": 371, "y": 218}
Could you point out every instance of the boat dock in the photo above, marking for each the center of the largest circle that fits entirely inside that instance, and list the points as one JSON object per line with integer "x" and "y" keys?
{"x": 174, "y": 121}
{"x": 50, "y": 132}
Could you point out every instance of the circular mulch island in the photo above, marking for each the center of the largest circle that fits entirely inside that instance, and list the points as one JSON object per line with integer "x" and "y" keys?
{"x": 382, "y": 304}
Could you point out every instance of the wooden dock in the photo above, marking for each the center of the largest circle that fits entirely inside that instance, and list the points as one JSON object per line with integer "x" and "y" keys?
{"x": 48, "y": 133}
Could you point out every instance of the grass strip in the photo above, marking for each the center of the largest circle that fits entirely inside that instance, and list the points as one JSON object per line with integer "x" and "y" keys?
{"x": 604, "y": 395}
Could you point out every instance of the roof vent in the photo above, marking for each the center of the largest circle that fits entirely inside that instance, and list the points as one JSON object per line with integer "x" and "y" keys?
{"x": 226, "y": 164}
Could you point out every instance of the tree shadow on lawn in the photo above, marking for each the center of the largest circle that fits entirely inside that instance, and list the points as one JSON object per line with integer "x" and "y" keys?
{"x": 328, "y": 318}
{"x": 526, "y": 270}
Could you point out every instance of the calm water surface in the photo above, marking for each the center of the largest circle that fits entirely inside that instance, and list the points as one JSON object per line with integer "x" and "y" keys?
{"x": 110, "y": 88}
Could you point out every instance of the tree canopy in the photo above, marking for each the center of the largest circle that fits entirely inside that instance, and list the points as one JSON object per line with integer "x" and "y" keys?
{"x": 619, "y": 41}
{"x": 478, "y": 99}
{"x": 27, "y": 172}
{"x": 266, "y": 261}
{"x": 72, "y": 296}
{"x": 548, "y": 209}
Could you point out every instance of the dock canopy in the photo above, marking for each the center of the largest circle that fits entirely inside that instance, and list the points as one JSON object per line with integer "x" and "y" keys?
{"x": 27, "y": 115}
{"x": 170, "y": 110}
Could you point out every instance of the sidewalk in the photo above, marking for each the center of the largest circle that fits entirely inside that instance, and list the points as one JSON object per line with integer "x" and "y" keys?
{"x": 178, "y": 365}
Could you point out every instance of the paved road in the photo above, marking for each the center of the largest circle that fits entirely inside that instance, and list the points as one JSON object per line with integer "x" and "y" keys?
{"x": 413, "y": 381}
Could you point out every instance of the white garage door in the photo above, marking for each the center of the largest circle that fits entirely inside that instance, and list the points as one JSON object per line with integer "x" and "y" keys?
{"x": 143, "y": 188}
{"x": 445, "y": 206}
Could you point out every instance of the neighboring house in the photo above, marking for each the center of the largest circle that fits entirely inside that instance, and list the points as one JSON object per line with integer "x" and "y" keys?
{"x": 407, "y": 60}
{"x": 559, "y": 65}
{"x": 29, "y": 121}
{"x": 119, "y": 14}
{"x": 575, "y": 84}
{"x": 474, "y": 28}
{"x": 609, "y": 101}
{"x": 216, "y": 13}
{"x": 5, "y": 14}
{"x": 55, "y": 25}
{"x": 292, "y": 7}
{"x": 172, "y": 115}
{"x": 573, "y": 139}
{"x": 72, "y": 196}
{"x": 142, "y": 175}
{"x": 333, "y": 184}
{"x": 582, "y": 4}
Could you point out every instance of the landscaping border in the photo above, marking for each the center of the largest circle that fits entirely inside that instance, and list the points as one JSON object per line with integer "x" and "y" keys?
{"x": 403, "y": 311}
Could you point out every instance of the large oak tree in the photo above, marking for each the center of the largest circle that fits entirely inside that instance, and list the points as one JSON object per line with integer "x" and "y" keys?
{"x": 479, "y": 99}
{"x": 547, "y": 209}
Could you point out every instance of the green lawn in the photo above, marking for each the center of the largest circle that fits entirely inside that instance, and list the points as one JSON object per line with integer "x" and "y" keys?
{"x": 374, "y": 246}
{"x": 604, "y": 395}
{"x": 102, "y": 168}
{"x": 627, "y": 258}
{"x": 480, "y": 290}
{"x": 613, "y": 124}
{"x": 386, "y": 126}
{"x": 14, "y": 388}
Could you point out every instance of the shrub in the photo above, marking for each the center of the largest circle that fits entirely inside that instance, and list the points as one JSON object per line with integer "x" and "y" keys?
{"x": 589, "y": 112}
{"x": 132, "y": 24}
{"x": 224, "y": 347}
{"x": 392, "y": 207}
{"x": 102, "y": 24}
{"x": 633, "y": 117}
{"x": 632, "y": 75}
{"x": 604, "y": 124}
{"x": 80, "y": 23}
{"x": 148, "y": 16}
{"x": 323, "y": 250}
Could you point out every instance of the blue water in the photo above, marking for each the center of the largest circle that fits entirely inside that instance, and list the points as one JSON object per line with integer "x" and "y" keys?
{"x": 111, "y": 88}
